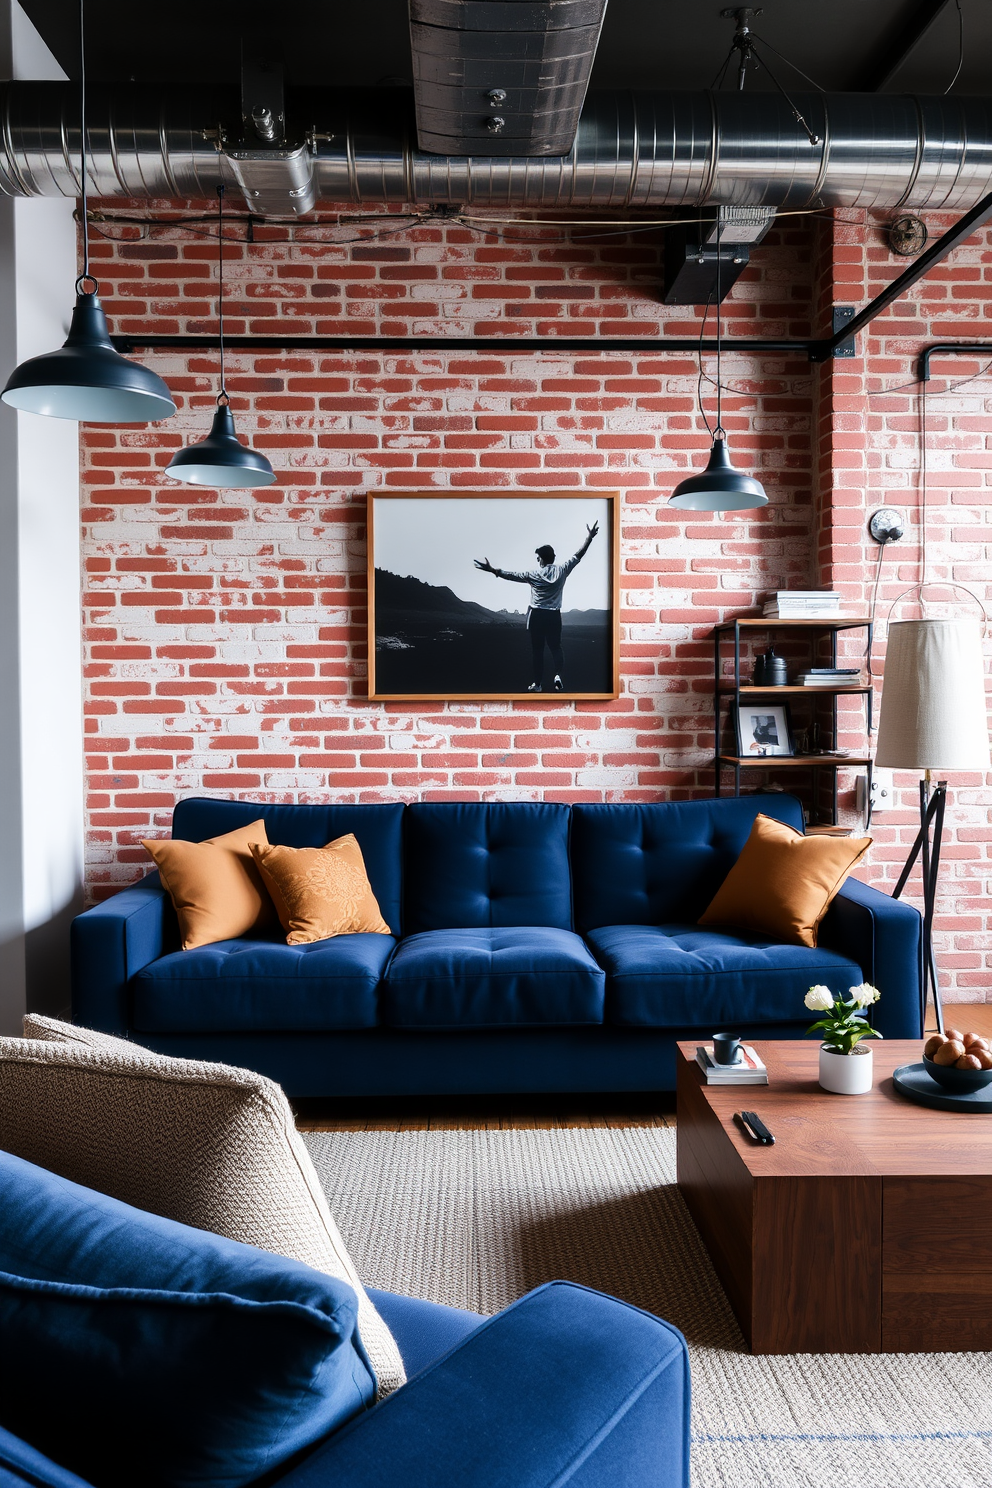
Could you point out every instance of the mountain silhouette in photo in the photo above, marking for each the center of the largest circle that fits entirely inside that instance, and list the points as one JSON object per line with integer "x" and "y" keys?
{"x": 404, "y": 592}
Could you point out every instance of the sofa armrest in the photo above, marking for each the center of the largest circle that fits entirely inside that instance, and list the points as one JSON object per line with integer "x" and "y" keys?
{"x": 110, "y": 942}
{"x": 564, "y": 1386}
{"x": 885, "y": 937}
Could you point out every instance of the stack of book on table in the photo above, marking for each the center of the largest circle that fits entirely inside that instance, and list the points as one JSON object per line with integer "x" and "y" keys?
{"x": 831, "y": 677}
{"x": 749, "y": 1069}
{"x": 802, "y": 604}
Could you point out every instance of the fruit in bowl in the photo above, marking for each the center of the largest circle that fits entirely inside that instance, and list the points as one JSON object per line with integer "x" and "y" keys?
{"x": 958, "y": 1061}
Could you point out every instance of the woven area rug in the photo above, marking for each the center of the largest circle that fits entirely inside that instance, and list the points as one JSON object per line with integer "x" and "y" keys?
{"x": 475, "y": 1219}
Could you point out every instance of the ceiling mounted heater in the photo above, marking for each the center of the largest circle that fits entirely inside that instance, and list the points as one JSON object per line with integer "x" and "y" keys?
{"x": 498, "y": 78}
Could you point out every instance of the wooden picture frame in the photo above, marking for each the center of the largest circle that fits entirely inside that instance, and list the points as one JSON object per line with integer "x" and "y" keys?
{"x": 442, "y": 626}
{"x": 764, "y": 729}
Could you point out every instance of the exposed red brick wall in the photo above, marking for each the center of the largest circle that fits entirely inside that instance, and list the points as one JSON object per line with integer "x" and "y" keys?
{"x": 225, "y": 632}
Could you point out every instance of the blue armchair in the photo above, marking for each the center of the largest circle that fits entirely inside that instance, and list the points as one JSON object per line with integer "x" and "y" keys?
{"x": 99, "y": 1371}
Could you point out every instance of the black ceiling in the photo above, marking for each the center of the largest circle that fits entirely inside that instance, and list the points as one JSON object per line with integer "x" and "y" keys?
{"x": 849, "y": 44}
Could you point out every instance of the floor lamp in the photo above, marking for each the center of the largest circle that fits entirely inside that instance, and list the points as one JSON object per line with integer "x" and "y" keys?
{"x": 933, "y": 718}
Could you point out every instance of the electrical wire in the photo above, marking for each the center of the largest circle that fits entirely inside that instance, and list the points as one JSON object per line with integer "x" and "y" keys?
{"x": 871, "y": 616}
{"x": 901, "y": 387}
{"x": 220, "y": 289}
{"x": 719, "y": 432}
{"x": 922, "y": 500}
{"x": 957, "y": 72}
{"x": 82, "y": 145}
{"x": 788, "y": 62}
{"x": 613, "y": 227}
{"x": 721, "y": 73}
{"x": 699, "y": 379}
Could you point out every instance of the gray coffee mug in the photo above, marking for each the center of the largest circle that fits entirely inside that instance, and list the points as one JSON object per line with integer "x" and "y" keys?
{"x": 726, "y": 1048}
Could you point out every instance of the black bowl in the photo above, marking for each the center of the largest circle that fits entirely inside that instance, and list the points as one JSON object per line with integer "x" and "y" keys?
{"x": 957, "y": 1080}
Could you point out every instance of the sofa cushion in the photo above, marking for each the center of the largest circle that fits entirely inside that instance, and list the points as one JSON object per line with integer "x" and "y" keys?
{"x": 379, "y": 830}
{"x": 649, "y": 865}
{"x": 254, "y": 985}
{"x": 685, "y": 976}
{"x": 519, "y": 977}
{"x": 470, "y": 865}
{"x": 203, "y": 1144}
{"x": 226, "y": 1358}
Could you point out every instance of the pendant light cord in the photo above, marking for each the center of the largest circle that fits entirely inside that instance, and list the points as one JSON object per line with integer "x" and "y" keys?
{"x": 222, "y": 396}
{"x": 719, "y": 432}
{"x": 85, "y": 275}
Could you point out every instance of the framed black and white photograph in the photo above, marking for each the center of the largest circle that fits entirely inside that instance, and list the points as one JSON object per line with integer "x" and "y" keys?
{"x": 493, "y": 596}
{"x": 764, "y": 729}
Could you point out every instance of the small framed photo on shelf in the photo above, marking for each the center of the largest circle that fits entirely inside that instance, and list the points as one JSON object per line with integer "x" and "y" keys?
{"x": 764, "y": 729}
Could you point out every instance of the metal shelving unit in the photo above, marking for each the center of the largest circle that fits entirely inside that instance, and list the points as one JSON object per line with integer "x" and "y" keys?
{"x": 738, "y": 691}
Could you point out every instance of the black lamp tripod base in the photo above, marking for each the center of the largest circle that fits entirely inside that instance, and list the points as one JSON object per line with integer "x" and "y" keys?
{"x": 927, "y": 844}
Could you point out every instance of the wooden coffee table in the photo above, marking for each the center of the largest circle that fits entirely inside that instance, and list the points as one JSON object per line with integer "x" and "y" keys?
{"x": 866, "y": 1228}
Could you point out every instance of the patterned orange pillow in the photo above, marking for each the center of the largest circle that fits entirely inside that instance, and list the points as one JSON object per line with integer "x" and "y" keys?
{"x": 319, "y": 892}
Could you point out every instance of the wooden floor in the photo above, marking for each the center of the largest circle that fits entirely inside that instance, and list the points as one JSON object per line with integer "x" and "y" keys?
{"x": 522, "y": 1113}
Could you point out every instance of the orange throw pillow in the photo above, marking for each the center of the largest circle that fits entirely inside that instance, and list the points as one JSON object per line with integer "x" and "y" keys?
{"x": 783, "y": 882}
{"x": 215, "y": 887}
{"x": 320, "y": 892}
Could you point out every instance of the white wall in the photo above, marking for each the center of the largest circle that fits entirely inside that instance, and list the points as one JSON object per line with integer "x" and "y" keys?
{"x": 41, "y": 779}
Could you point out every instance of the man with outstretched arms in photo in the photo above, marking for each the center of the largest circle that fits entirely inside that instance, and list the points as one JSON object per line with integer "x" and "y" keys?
{"x": 547, "y": 584}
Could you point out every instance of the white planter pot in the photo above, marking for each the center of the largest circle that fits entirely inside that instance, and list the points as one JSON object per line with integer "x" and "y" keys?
{"x": 846, "y": 1074}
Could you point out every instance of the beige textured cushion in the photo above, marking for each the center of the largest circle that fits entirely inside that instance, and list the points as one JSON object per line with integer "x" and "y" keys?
{"x": 205, "y": 1144}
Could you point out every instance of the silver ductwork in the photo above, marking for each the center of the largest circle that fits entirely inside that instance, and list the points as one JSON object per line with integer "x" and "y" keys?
{"x": 632, "y": 151}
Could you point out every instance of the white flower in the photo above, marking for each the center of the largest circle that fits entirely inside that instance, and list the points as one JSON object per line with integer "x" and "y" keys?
{"x": 819, "y": 999}
{"x": 864, "y": 994}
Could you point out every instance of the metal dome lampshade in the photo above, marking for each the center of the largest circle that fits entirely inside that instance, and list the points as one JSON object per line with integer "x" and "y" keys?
{"x": 87, "y": 379}
{"x": 719, "y": 487}
{"x": 221, "y": 460}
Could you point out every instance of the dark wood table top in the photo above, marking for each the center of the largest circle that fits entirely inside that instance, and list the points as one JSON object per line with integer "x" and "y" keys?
{"x": 817, "y": 1133}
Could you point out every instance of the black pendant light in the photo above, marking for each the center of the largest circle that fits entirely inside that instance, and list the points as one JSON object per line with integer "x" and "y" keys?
{"x": 221, "y": 459}
{"x": 719, "y": 487}
{"x": 87, "y": 379}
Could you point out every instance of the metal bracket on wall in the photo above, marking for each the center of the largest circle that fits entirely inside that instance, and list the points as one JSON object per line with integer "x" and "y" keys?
{"x": 842, "y": 316}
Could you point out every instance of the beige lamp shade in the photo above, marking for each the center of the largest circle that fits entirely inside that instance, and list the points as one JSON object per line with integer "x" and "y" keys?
{"x": 933, "y": 714}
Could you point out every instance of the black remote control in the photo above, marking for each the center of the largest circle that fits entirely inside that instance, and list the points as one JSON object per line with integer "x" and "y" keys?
{"x": 752, "y": 1125}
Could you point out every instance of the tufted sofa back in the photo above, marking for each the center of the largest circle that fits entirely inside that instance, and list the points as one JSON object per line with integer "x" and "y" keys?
{"x": 379, "y": 830}
{"x": 472, "y": 865}
{"x": 467, "y": 864}
{"x": 658, "y": 864}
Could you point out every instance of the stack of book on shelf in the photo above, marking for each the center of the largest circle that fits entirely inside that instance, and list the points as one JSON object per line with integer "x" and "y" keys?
{"x": 802, "y": 604}
{"x": 749, "y": 1069}
{"x": 831, "y": 677}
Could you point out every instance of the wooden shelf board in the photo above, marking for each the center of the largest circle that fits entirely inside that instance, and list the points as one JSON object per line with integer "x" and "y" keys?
{"x": 792, "y": 761}
{"x": 822, "y": 622}
{"x": 794, "y": 689}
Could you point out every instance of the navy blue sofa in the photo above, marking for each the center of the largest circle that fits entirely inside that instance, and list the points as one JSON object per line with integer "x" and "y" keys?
{"x": 137, "y": 1351}
{"x": 535, "y": 948}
